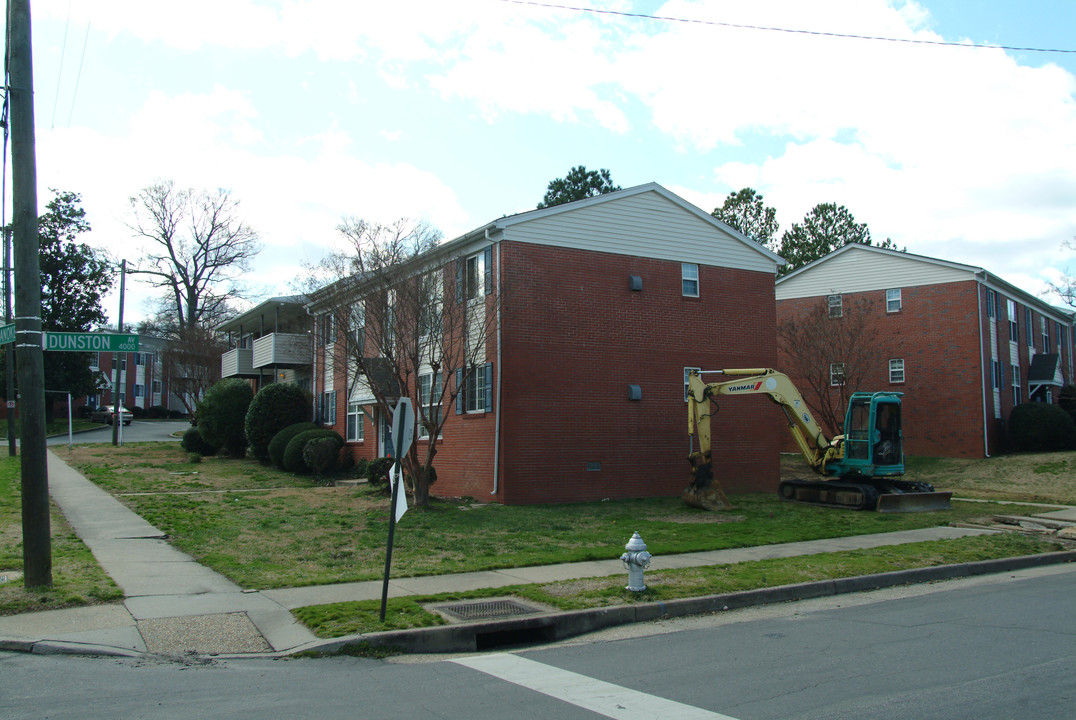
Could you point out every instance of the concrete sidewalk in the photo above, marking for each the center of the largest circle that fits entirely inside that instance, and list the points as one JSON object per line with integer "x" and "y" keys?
{"x": 175, "y": 606}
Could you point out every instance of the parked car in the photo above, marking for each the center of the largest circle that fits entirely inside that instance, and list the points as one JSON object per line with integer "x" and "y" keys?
{"x": 106, "y": 415}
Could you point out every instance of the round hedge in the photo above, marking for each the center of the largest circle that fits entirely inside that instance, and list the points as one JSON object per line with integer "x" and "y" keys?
{"x": 280, "y": 441}
{"x": 274, "y": 408}
{"x": 193, "y": 442}
{"x": 221, "y": 414}
{"x": 1041, "y": 427}
{"x": 293, "y": 453}
{"x": 321, "y": 454}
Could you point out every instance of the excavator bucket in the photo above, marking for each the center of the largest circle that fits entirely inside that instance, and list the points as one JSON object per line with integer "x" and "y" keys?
{"x": 914, "y": 502}
{"x": 704, "y": 491}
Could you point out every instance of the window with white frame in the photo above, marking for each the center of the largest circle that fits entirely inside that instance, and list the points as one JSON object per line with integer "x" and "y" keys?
{"x": 1045, "y": 335}
{"x": 896, "y": 370}
{"x": 836, "y": 374}
{"x": 991, "y": 303}
{"x": 1016, "y": 393}
{"x": 327, "y": 409}
{"x": 836, "y": 306}
{"x": 430, "y": 307}
{"x": 139, "y": 390}
{"x": 892, "y": 300}
{"x": 156, "y": 386}
{"x": 1014, "y": 333}
{"x": 689, "y": 279}
{"x": 475, "y": 389}
{"x": 95, "y": 360}
{"x": 1029, "y": 328}
{"x": 995, "y": 375}
{"x": 474, "y": 275}
{"x": 429, "y": 394}
{"x": 687, "y": 374}
{"x": 354, "y": 422}
{"x": 327, "y": 327}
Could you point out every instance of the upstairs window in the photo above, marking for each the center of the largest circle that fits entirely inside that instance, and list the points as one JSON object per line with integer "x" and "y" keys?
{"x": 474, "y": 275}
{"x": 429, "y": 394}
{"x": 896, "y": 371}
{"x": 689, "y": 279}
{"x": 1014, "y": 333}
{"x": 991, "y": 303}
{"x": 836, "y": 374}
{"x": 1029, "y": 328}
{"x": 892, "y": 300}
{"x": 836, "y": 308}
{"x": 1045, "y": 335}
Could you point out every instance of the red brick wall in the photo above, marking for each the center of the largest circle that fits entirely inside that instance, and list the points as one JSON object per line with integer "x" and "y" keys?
{"x": 575, "y": 337}
{"x": 936, "y": 333}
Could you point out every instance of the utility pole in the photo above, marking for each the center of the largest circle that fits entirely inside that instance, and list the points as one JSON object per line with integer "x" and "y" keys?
{"x": 9, "y": 353}
{"x": 121, "y": 381}
{"x": 36, "y": 540}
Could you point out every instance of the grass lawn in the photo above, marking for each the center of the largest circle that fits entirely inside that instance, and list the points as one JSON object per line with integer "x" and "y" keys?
{"x": 77, "y": 578}
{"x": 264, "y": 528}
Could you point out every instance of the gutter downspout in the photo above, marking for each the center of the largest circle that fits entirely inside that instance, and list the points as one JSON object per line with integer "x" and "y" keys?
{"x": 499, "y": 375}
{"x": 982, "y": 367}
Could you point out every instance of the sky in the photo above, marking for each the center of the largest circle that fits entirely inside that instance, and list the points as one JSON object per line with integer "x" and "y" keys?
{"x": 460, "y": 112}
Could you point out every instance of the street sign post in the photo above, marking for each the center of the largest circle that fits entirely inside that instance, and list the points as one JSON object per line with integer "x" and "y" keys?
{"x": 89, "y": 342}
{"x": 403, "y": 434}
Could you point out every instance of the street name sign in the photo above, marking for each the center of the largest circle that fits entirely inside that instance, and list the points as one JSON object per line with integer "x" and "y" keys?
{"x": 7, "y": 333}
{"x": 89, "y": 342}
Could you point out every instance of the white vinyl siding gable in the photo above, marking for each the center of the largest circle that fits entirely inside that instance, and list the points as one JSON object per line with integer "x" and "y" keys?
{"x": 642, "y": 225}
{"x": 864, "y": 270}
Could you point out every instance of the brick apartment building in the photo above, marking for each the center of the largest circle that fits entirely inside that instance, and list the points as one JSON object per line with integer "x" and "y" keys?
{"x": 963, "y": 345}
{"x": 143, "y": 378}
{"x": 601, "y": 305}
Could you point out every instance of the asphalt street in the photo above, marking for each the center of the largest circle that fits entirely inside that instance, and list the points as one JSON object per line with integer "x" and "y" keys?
{"x": 137, "y": 431}
{"x": 998, "y": 646}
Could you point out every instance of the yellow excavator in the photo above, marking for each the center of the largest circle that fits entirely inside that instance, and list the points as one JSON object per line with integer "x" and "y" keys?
{"x": 859, "y": 470}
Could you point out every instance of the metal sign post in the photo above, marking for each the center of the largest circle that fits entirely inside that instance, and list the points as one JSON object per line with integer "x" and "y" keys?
{"x": 403, "y": 433}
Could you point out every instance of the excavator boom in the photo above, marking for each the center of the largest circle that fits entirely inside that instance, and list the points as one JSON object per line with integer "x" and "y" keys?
{"x": 859, "y": 469}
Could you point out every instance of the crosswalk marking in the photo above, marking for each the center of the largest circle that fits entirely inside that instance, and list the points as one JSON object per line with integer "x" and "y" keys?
{"x": 604, "y": 698}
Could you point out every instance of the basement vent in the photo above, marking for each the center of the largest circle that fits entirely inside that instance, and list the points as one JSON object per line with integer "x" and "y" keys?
{"x": 486, "y": 609}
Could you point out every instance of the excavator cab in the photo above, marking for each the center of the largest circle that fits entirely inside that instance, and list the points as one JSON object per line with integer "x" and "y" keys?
{"x": 873, "y": 442}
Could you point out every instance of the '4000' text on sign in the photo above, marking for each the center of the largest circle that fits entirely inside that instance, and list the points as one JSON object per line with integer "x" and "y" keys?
{"x": 89, "y": 342}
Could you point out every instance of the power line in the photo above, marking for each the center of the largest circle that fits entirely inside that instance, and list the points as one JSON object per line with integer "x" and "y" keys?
{"x": 819, "y": 33}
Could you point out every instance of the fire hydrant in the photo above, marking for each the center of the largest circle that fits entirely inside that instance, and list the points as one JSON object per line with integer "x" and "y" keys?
{"x": 636, "y": 560}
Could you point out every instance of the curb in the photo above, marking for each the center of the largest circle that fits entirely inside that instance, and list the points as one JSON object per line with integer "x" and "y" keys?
{"x": 562, "y": 625}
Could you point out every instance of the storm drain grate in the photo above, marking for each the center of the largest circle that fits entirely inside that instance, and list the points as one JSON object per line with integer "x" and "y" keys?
{"x": 486, "y": 609}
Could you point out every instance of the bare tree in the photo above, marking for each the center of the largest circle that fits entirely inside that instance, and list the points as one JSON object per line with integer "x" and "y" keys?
{"x": 1066, "y": 286}
{"x": 191, "y": 362}
{"x": 414, "y": 320}
{"x": 197, "y": 250}
{"x": 832, "y": 348}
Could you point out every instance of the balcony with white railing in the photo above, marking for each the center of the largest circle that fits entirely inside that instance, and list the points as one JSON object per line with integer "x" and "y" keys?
{"x": 237, "y": 362}
{"x": 282, "y": 350}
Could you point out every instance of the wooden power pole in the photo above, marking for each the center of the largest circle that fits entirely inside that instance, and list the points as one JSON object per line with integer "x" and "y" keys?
{"x": 36, "y": 539}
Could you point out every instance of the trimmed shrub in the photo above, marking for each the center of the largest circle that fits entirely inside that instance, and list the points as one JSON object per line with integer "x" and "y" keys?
{"x": 274, "y": 408}
{"x": 1040, "y": 427}
{"x": 138, "y": 412}
{"x": 377, "y": 471}
{"x": 280, "y": 441}
{"x": 194, "y": 443}
{"x": 321, "y": 454}
{"x": 221, "y": 414}
{"x": 293, "y": 453}
{"x": 1067, "y": 400}
{"x": 157, "y": 412}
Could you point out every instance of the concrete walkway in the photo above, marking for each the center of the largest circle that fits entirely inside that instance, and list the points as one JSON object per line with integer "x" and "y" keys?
{"x": 174, "y": 606}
